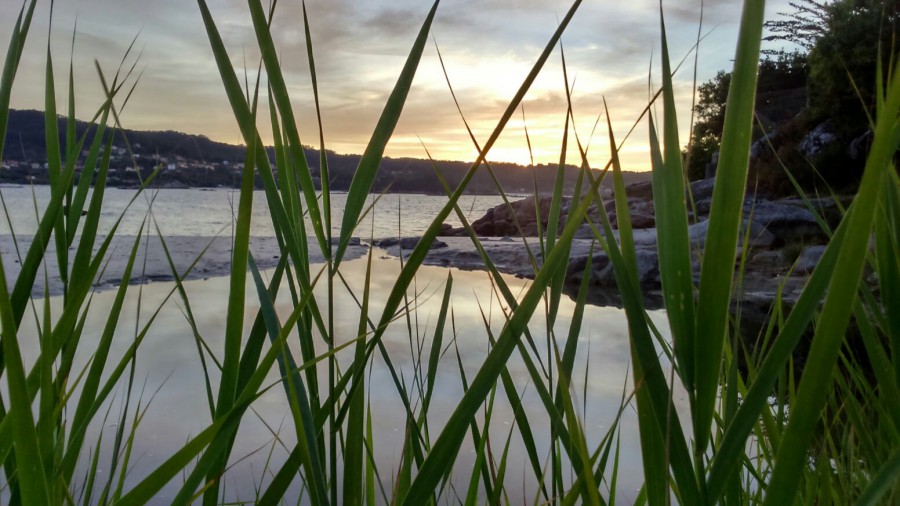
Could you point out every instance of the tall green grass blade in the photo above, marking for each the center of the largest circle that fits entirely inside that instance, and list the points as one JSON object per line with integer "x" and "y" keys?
{"x": 29, "y": 467}
{"x": 11, "y": 64}
{"x": 887, "y": 250}
{"x": 662, "y": 438}
{"x": 279, "y": 89}
{"x": 295, "y": 391}
{"x": 30, "y": 477}
{"x": 364, "y": 175}
{"x": 54, "y": 162}
{"x": 724, "y": 222}
{"x": 437, "y": 343}
{"x": 731, "y": 448}
{"x": 323, "y": 159}
{"x": 234, "y": 323}
{"x": 482, "y": 453}
{"x": 672, "y": 229}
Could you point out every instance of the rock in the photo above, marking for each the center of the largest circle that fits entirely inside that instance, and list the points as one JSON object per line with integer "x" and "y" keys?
{"x": 712, "y": 165}
{"x": 808, "y": 259}
{"x": 761, "y": 145}
{"x": 815, "y": 141}
{"x": 760, "y": 237}
{"x": 406, "y": 243}
{"x": 770, "y": 260}
{"x": 826, "y": 207}
{"x": 641, "y": 191}
{"x": 354, "y": 241}
{"x": 859, "y": 147}
{"x": 642, "y": 220}
{"x": 641, "y": 212}
{"x": 503, "y": 219}
{"x": 703, "y": 189}
{"x": 603, "y": 275}
{"x": 584, "y": 232}
{"x": 787, "y": 222}
{"x": 447, "y": 230}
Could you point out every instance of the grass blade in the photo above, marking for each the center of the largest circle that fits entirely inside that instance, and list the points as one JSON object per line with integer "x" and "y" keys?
{"x": 724, "y": 222}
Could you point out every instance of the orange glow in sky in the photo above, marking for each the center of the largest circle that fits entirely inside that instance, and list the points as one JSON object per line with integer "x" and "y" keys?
{"x": 488, "y": 47}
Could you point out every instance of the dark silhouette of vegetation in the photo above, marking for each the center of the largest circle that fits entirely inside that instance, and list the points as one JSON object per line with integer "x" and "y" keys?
{"x": 781, "y": 95}
{"x": 201, "y": 162}
{"x": 842, "y": 63}
{"x": 827, "y": 84}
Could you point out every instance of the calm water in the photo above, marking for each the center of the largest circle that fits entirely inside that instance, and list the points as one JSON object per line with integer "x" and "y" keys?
{"x": 206, "y": 212}
{"x": 170, "y": 375}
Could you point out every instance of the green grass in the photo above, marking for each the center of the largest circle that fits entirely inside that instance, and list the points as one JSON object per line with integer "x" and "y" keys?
{"x": 762, "y": 433}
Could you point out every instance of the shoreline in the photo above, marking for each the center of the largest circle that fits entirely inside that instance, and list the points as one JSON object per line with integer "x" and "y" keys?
{"x": 514, "y": 256}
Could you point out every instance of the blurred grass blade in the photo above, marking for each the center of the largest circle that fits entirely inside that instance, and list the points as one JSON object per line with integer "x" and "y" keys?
{"x": 717, "y": 270}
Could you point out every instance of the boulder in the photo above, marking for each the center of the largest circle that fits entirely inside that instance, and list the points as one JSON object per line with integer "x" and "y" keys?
{"x": 354, "y": 241}
{"x": 768, "y": 260}
{"x": 817, "y": 140}
{"x": 447, "y": 230}
{"x": 641, "y": 212}
{"x": 787, "y": 222}
{"x": 502, "y": 220}
{"x": 642, "y": 190}
{"x": 759, "y": 236}
{"x": 406, "y": 243}
{"x": 808, "y": 259}
{"x": 703, "y": 189}
{"x": 603, "y": 275}
{"x": 761, "y": 145}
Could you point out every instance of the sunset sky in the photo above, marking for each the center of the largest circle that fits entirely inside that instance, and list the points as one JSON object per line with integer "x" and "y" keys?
{"x": 360, "y": 46}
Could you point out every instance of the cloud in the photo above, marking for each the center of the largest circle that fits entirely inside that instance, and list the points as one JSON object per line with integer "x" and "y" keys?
{"x": 488, "y": 46}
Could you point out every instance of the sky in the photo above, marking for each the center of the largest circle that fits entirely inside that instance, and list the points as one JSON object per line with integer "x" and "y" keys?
{"x": 612, "y": 51}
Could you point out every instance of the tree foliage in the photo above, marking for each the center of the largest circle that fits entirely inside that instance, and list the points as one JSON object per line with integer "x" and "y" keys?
{"x": 778, "y": 74}
{"x": 831, "y": 74}
{"x": 710, "y": 117}
{"x": 803, "y": 26}
{"x": 843, "y": 61}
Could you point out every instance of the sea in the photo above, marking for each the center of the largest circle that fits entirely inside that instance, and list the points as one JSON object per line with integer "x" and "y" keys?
{"x": 204, "y": 212}
{"x": 169, "y": 378}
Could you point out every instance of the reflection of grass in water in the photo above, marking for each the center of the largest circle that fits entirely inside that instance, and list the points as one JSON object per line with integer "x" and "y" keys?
{"x": 839, "y": 443}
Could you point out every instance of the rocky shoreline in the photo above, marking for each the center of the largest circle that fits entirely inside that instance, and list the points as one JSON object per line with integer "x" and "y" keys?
{"x": 784, "y": 243}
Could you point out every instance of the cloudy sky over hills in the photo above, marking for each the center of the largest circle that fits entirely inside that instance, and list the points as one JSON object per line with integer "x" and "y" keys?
{"x": 488, "y": 47}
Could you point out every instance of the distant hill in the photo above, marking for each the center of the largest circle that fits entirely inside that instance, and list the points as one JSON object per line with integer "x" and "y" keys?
{"x": 200, "y": 161}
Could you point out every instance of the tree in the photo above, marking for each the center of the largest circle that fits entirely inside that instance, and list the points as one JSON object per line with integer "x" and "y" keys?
{"x": 710, "y": 119}
{"x": 843, "y": 61}
{"x": 843, "y": 39}
{"x": 803, "y": 27}
{"x": 779, "y": 77}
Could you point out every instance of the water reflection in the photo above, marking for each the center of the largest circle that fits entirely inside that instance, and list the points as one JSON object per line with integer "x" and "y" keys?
{"x": 168, "y": 361}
